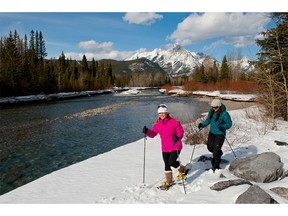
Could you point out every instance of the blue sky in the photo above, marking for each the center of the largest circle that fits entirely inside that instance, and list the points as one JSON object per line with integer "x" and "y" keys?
{"x": 118, "y": 35}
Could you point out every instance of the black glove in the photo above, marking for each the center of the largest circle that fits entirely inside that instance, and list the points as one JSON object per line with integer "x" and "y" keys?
{"x": 221, "y": 128}
{"x": 145, "y": 129}
{"x": 200, "y": 126}
{"x": 175, "y": 138}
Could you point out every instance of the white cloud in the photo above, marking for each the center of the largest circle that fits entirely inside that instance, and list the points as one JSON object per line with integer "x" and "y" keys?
{"x": 98, "y": 51}
{"x": 238, "y": 29}
{"x": 238, "y": 42}
{"x": 93, "y": 46}
{"x": 142, "y": 18}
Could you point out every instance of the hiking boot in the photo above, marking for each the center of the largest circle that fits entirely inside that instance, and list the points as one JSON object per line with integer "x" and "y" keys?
{"x": 169, "y": 180}
{"x": 181, "y": 174}
{"x": 166, "y": 185}
{"x": 168, "y": 176}
{"x": 215, "y": 167}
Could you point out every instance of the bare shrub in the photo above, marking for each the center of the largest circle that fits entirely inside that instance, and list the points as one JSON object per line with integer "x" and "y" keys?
{"x": 193, "y": 135}
{"x": 237, "y": 136}
{"x": 167, "y": 88}
{"x": 259, "y": 115}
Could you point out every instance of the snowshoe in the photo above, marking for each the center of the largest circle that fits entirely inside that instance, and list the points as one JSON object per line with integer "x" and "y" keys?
{"x": 213, "y": 169}
{"x": 181, "y": 176}
{"x": 166, "y": 185}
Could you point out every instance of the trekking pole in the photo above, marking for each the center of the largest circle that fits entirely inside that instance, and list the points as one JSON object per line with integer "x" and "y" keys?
{"x": 180, "y": 163}
{"x": 192, "y": 153}
{"x": 194, "y": 148}
{"x": 145, "y": 138}
{"x": 230, "y": 147}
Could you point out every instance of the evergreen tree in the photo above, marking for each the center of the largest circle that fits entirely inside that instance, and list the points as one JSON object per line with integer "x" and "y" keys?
{"x": 197, "y": 75}
{"x": 85, "y": 73}
{"x": 61, "y": 71}
{"x": 109, "y": 76}
{"x": 84, "y": 64}
{"x": 224, "y": 69}
{"x": 37, "y": 45}
{"x": 42, "y": 48}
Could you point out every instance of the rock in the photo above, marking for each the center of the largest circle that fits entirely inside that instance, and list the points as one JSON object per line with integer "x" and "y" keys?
{"x": 225, "y": 184}
{"x": 222, "y": 176}
{"x": 280, "y": 143}
{"x": 281, "y": 191}
{"x": 255, "y": 195}
{"x": 264, "y": 167}
{"x": 16, "y": 173}
{"x": 285, "y": 174}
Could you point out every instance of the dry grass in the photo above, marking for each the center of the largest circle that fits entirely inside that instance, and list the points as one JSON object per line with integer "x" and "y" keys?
{"x": 193, "y": 135}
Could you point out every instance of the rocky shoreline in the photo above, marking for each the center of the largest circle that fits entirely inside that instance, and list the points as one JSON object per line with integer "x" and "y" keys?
{"x": 230, "y": 104}
{"x": 231, "y": 101}
{"x": 21, "y": 100}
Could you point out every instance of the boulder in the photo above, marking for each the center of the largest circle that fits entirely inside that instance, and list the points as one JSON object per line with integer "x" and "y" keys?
{"x": 255, "y": 195}
{"x": 281, "y": 191}
{"x": 225, "y": 184}
{"x": 285, "y": 174}
{"x": 265, "y": 167}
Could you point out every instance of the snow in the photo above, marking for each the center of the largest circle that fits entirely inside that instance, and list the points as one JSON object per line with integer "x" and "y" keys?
{"x": 47, "y": 97}
{"x": 224, "y": 96}
{"x": 131, "y": 92}
{"x": 183, "y": 61}
{"x": 174, "y": 56}
{"x": 229, "y": 96}
{"x": 116, "y": 177}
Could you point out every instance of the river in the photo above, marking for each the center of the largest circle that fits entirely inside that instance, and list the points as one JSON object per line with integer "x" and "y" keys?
{"x": 38, "y": 139}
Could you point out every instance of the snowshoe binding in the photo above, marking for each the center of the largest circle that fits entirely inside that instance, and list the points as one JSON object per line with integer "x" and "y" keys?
{"x": 166, "y": 185}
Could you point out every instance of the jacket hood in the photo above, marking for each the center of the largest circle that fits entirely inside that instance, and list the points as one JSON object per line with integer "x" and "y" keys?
{"x": 223, "y": 107}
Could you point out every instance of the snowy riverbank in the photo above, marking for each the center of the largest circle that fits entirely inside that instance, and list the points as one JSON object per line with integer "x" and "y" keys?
{"x": 50, "y": 97}
{"x": 116, "y": 177}
{"x": 7, "y": 101}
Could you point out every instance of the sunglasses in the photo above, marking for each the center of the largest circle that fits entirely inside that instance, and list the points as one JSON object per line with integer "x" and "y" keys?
{"x": 162, "y": 105}
{"x": 215, "y": 107}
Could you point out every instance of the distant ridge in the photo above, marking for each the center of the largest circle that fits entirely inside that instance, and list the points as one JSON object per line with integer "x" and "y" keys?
{"x": 177, "y": 61}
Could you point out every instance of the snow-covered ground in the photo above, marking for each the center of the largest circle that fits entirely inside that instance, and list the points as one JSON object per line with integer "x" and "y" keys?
{"x": 224, "y": 96}
{"x": 116, "y": 177}
{"x": 131, "y": 92}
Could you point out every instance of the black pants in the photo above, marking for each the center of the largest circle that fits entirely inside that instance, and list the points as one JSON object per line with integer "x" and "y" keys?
{"x": 214, "y": 145}
{"x": 170, "y": 159}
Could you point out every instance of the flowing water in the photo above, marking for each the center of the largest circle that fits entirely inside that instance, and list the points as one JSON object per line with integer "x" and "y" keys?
{"x": 38, "y": 139}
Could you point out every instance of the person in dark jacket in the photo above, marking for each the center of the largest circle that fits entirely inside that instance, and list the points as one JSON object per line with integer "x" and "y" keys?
{"x": 219, "y": 120}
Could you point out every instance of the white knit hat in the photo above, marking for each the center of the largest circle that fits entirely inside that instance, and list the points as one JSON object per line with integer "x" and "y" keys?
{"x": 216, "y": 103}
{"x": 162, "y": 108}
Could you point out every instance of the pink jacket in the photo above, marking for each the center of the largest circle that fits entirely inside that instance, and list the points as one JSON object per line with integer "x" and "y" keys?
{"x": 167, "y": 128}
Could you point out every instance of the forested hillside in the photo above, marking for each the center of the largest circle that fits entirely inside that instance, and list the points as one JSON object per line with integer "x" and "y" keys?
{"x": 25, "y": 70}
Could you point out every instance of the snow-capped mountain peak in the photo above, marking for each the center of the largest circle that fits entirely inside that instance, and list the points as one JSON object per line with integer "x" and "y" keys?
{"x": 243, "y": 63}
{"x": 175, "y": 60}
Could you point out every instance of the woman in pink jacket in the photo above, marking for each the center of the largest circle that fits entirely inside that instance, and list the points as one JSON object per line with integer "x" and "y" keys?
{"x": 171, "y": 132}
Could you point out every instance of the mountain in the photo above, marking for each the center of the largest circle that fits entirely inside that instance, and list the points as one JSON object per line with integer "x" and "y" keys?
{"x": 130, "y": 66}
{"x": 176, "y": 61}
{"x": 244, "y": 64}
